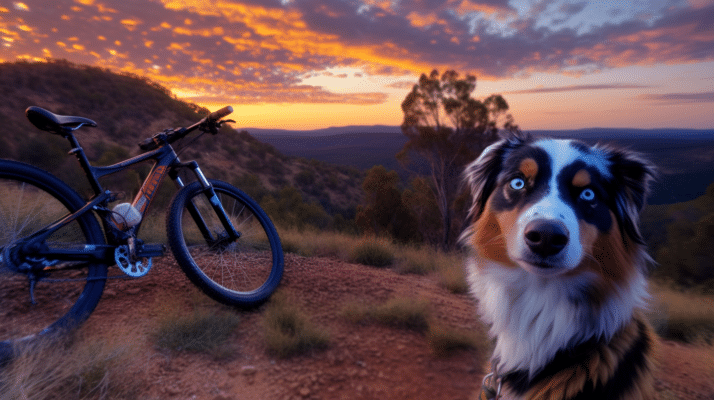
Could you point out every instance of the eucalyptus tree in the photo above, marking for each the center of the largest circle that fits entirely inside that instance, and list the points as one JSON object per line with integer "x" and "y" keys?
{"x": 448, "y": 128}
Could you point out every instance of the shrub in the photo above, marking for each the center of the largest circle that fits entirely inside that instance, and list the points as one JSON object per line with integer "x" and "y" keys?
{"x": 374, "y": 252}
{"x": 288, "y": 331}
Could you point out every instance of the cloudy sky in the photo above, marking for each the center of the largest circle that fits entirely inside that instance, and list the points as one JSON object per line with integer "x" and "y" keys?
{"x": 303, "y": 64}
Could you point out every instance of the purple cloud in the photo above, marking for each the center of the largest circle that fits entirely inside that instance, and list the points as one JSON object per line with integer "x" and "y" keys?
{"x": 261, "y": 50}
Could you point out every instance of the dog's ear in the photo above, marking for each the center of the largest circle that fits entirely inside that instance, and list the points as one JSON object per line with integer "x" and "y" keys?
{"x": 482, "y": 174}
{"x": 632, "y": 176}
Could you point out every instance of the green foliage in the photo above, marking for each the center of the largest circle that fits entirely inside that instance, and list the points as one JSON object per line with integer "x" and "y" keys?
{"x": 687, "y": 255}
{"x": 419, "y": 199}
{"x": 251, "y": 185}
{"x": 288, "y": 331}
{"x": 43, "y": 150}
{"x": 290, "y": 210}
{"x": 305, "y": 177}
{"x": 383, "y": 211}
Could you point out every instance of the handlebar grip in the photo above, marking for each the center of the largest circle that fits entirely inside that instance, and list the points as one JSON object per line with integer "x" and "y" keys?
{"x": 218, "y": 114}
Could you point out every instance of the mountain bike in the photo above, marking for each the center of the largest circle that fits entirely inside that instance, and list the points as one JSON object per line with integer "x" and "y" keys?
{"x": 54, "y": 254}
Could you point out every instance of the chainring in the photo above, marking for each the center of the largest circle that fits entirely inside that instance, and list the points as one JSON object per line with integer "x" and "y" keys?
{"x": 135, "y": 269}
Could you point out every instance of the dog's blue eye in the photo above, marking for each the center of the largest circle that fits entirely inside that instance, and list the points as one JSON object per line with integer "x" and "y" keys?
{"x": 587, "y": 194}
{"x": 518, "y": 183}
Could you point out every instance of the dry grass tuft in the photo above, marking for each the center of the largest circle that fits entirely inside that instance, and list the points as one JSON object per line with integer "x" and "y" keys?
{"x": 312, "y": 243}
{"x": 374, "y": 252}
{"x": 400, "y": 312}
{"x": 288, "y": 331}
{"x": 81, "y": 368}
{"x": 452, "y": 275}
{"x": 445, "y": 341}
{"x": 204, "y": 328}
{"x": 685, "y": 317}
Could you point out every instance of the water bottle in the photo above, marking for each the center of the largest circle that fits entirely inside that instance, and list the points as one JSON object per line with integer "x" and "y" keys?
{"x": 125, "y": 216}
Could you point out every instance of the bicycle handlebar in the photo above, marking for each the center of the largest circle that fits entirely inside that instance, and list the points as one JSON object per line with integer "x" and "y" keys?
{"x": 211, "y": 122}
{"x": 218, "y": 114}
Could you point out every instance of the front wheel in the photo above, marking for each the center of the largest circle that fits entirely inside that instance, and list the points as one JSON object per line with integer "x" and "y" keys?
{"x": 241, "y": 271}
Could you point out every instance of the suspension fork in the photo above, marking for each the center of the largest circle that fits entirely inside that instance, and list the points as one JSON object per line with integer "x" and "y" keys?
{"x": 217, "y": 206}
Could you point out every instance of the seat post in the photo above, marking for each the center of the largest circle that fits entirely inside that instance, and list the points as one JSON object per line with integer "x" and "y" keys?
{"x": 78, "y": 152}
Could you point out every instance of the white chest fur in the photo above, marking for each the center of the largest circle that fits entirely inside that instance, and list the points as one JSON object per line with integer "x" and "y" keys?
{"x": 532, "y": 317}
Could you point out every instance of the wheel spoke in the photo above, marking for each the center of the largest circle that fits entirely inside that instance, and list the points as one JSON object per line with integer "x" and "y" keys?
{"x": 29, "y": 200}
{"x": 230, "y": 271}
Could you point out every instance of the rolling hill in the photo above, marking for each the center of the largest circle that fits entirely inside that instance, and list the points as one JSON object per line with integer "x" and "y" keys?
{"x": 129, "y": 109}
{"x": 685, "y": 157}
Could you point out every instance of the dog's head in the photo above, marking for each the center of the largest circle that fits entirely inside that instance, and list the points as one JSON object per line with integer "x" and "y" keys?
{"x": 555, "y": 207}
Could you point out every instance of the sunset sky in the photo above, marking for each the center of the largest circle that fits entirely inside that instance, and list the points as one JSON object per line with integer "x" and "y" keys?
{"x": 304, "y": 64}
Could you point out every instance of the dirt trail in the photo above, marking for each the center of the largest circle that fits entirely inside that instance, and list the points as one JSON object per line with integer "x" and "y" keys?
{"x": 363, "y": 361}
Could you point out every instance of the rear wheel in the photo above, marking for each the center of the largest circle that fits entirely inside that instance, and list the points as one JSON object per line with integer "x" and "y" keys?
{"x": 37, "y": 296}
{"x": 243, "y": 271}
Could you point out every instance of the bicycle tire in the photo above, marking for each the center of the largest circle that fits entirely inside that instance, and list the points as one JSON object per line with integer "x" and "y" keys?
{"x": 244, "y": 272}
{"x": 30, "y": 198}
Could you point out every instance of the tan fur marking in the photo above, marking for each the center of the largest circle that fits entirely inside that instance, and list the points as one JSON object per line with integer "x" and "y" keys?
{"x": 529, "y": 168}
{"x": 608, "y": 255}
{"x": 599, "y": 366}
{"x": 581, "y": 179}
{"x": 490, "y": 235}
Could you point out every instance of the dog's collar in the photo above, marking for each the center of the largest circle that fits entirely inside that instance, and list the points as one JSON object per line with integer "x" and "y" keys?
{"x": 492, "y": 383}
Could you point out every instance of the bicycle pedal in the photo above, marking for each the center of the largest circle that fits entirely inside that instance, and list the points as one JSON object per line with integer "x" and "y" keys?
{"x": 151, "y": 250}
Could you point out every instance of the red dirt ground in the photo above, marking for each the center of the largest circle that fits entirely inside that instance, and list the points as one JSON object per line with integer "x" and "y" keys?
{"x": 362, "y": 361}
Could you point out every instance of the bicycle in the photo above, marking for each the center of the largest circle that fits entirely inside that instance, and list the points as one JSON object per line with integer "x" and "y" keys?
{"x": 54, "y": 255}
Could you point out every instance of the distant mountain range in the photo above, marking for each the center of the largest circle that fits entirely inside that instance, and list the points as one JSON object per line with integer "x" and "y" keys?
{"x": 685, "y": 157}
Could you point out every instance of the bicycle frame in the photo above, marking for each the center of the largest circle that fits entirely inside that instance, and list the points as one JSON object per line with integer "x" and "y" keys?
{"x": 166, "y": 162}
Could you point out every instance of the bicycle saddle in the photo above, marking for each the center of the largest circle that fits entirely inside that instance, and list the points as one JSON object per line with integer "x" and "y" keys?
{"x": 59, "y": 124}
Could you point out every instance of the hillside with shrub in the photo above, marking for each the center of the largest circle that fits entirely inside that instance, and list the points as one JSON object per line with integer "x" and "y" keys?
{"x": 129, "y": 109}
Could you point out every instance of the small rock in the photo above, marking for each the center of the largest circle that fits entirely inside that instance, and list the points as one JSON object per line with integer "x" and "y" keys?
{"x": 248, "y": 370}
{"x": 304, "y": 392}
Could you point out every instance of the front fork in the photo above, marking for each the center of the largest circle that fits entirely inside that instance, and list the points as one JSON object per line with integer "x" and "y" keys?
{"x": 208, "y": 190}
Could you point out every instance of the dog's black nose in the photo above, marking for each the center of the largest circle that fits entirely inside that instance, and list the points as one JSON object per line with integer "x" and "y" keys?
{"x": 546, "y": 237}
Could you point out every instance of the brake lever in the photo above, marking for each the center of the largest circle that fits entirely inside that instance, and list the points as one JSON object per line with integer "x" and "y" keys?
{"x": 215, "y": 126}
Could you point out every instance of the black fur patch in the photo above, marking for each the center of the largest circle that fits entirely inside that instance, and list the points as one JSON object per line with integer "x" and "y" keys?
{"x": 506, "y": 198}
{"x": 594, "y": 212}
{"x": 627, "y": 372}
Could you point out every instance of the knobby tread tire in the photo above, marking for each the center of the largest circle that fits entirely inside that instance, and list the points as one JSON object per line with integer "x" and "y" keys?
{"x": 93, "y": 233}
{"x": 220, "y": 293}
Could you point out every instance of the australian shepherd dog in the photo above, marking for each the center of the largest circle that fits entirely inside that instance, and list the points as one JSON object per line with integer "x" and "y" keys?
{"x": 558, "y": 267}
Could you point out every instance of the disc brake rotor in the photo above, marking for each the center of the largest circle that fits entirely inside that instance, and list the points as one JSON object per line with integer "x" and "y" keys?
{"x": 135, "y": 269}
